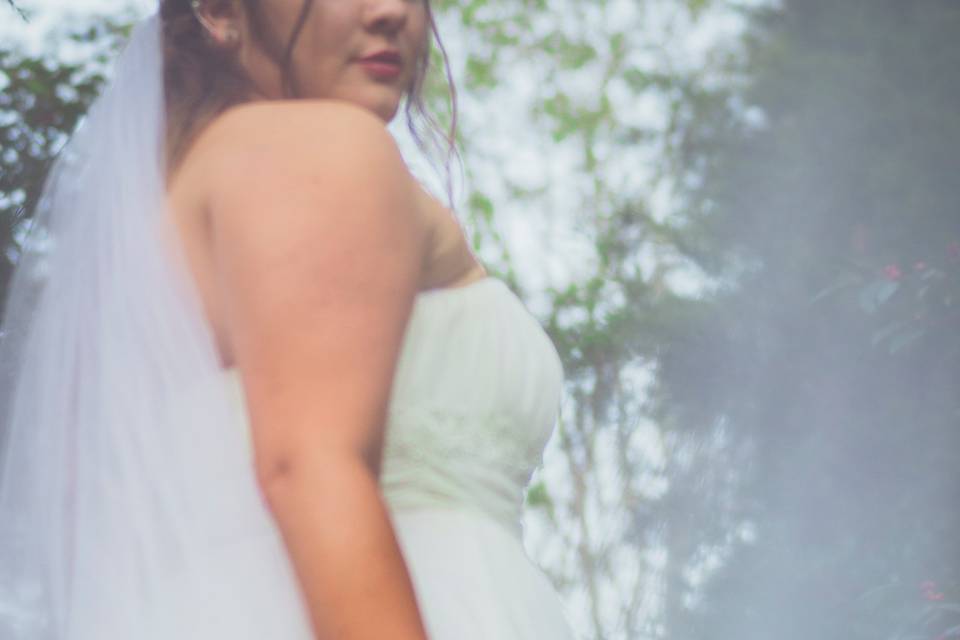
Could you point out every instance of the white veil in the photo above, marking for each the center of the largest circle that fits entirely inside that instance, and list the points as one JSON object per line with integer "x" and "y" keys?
{"x": 123, "y": 480}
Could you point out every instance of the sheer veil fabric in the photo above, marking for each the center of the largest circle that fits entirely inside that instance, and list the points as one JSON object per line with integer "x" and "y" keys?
{"x": 113, "y": 489}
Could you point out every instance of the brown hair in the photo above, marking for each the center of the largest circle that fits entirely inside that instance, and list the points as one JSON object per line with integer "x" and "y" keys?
{"x": 202, "y": 81}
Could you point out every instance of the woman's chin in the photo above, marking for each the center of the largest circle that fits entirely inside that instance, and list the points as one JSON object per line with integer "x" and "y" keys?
{"x": 384, "y": 107}
{"x": 382, "y": 101}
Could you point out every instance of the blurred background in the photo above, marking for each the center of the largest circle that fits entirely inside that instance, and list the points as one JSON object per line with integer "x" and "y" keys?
{"x": 740, "y": 224}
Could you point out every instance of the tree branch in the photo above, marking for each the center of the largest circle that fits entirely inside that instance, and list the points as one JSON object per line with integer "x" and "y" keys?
{"x": 18, "y": 10}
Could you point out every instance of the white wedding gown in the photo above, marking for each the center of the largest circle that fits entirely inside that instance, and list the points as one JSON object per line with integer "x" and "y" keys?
{"x": 475, "y": 399}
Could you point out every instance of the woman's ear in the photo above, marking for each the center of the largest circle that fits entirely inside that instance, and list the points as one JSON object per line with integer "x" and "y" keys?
{"x": 221, "y": 20}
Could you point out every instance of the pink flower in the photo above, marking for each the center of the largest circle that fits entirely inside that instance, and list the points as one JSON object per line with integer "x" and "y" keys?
{"x": 892, "y": 272}
{"x": 920, "y": 266}
{"x": 953, "y": 250}
{"x": 930, "y": 595}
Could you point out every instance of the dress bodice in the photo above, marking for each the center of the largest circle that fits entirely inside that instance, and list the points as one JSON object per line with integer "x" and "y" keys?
{"x": 475, "y": 398}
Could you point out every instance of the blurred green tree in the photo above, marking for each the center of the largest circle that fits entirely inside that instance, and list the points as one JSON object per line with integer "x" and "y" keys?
{"x": 823, "y": 198}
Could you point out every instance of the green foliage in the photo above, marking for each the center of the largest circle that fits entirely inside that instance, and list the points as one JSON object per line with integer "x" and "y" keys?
{"x": 42, "y": 101}
{"x": 538, "y": 497}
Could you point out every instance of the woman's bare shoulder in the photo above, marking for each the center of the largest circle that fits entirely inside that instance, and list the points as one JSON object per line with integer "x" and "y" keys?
{"x": 258, "y": 139}
{"x": 291, "y": 148}
{"x": 291, "y": 133}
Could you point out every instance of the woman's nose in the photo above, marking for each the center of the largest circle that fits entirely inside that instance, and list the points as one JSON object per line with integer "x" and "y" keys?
{"x": 386, "y": 14}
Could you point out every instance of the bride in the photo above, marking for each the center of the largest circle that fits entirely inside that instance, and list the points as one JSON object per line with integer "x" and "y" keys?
{"x": 256, "y": 385}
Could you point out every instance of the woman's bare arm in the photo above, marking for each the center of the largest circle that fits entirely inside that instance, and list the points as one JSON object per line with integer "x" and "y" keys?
{"x": 319, "y": 247}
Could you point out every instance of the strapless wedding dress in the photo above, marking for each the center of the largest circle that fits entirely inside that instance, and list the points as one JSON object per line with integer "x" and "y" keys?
{"x": 475, "y": 398}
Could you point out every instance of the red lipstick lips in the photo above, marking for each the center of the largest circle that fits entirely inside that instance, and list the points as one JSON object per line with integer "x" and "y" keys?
{"x": 383, "y": 65}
